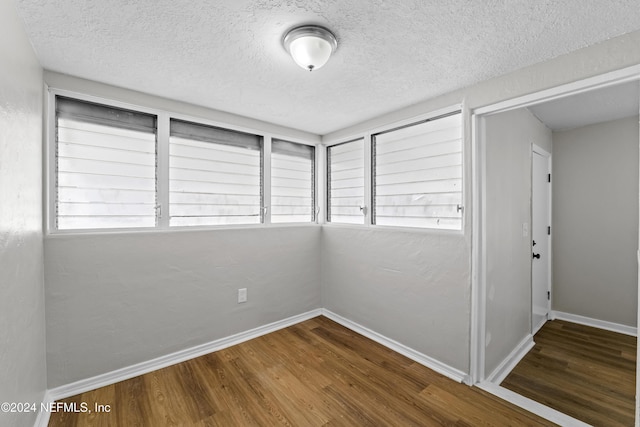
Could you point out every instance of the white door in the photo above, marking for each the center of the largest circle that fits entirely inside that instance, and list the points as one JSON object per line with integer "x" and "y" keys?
{"x": 541, "y": 238}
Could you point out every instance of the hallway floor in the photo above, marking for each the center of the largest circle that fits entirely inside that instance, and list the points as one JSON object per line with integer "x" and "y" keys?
{"x": 584, "y": 372}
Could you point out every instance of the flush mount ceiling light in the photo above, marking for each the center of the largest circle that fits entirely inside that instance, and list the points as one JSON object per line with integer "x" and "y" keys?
{"x": 310, "y": 46}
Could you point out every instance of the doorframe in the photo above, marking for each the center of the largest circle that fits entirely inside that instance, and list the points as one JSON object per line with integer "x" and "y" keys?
{"x": 478, "y": 239}
{"x": 536, "y": 149}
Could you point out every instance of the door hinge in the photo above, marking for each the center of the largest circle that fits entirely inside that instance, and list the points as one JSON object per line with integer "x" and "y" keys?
{"x": 549, "y": 230}
{"x": 548, "y": 177}
{"x": 548, "y": 295}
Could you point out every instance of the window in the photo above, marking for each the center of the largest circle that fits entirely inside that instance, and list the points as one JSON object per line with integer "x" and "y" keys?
{"x": 105, "y": 166}
{"x": 292, "y": 182}
{"x": 345, "y": 182}
{"x": 417, "y": 174}
{"x": 215, "y": 176}
{"x": 116, "y": 168}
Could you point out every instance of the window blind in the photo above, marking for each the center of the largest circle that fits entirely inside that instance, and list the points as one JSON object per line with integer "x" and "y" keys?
{"x": 292, "y": 182}
{"x": 418, "y": 174}
{"x": 105, "y": 166}
{"x": 215, "y": 176}
{"x": 345, "y": 182}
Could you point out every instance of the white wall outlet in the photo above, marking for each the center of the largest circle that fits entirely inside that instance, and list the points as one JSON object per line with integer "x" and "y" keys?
{"x": 242, "y": 295}
{"x": 525, "y": 229}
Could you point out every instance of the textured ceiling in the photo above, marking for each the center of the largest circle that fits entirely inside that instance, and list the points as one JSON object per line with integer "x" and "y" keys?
{"x": 595, "y": 106}
{"x": 227, "y": 54}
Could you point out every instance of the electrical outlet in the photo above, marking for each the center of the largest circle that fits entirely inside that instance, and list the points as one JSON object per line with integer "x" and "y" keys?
{"x": 525, "y": 229}
{"x": 242, "y": 295}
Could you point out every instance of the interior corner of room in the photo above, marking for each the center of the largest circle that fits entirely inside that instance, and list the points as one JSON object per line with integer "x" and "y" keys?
{"x": 547, "y": 240}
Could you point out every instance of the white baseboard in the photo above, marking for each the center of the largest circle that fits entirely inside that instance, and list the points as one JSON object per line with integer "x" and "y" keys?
{"x": 173, "y": 358}
{"x": 43, "y": 416}
{"x": 128, "y": 372}
{"x": 537, "y": 408}
{"x": 500, "y": 373}
{"x": 601, "y": 324}
{"x": 412, "y": 354}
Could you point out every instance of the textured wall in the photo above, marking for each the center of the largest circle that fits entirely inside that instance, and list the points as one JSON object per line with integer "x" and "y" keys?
{"x": 508, "y": 206}
{"x": 595, "y": 221}
{"x": 608, "y": 56}
{"x": 114, "y": 300}
{"x": 22, "y": 337}
{"x": 350, "y": 254}
{"x": 412, "y": 287}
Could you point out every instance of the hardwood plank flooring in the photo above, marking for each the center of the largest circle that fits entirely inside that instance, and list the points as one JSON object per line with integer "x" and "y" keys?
{"x": 584, "y": 372}
{"x": 315, "y": 373}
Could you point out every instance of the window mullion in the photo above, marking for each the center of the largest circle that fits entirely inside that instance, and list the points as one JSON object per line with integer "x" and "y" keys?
{"x": 368, "y": 174}
{"x": 51, "y": 164}
{"x": 266, "y": 179}
{"x": 315, "y": 200}
{"x": 322, "y": 184}
{"x": 162, "y": 171}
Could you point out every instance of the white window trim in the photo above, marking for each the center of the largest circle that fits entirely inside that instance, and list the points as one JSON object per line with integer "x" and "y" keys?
{"x": 162, "y": 169}
{"x": 367, "y": 182}
{"x": 368, "y": 170}
{"x": 316, "y": 180}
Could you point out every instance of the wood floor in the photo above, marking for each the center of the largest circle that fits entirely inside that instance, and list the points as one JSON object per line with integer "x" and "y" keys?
{"x": 585, "y": 372}
{"x": 316, "y": 373}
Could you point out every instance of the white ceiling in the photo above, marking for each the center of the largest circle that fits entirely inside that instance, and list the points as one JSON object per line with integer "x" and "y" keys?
{"x": 227, "y": 54}
{"x": 596, "y": 106}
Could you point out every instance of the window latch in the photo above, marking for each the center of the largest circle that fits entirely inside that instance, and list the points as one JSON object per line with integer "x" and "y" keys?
{"x": 158, "y": 211}
{"x": 363, "y": 209}
{"x": 459, "y": 208}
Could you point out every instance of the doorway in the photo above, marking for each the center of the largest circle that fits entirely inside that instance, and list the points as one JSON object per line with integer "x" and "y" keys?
{"x": 499, "y": 322}
{"x": 541, "y": 237}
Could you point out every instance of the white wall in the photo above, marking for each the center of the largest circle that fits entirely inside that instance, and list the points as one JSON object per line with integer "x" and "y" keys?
{"x": 22, "y": 331}
{"x": 595, "y": 221}
{"x": 116, "y": 299}
{"x": 412, "y": 286}
{"x": 509, "y": 137}
{"x": 409, "y": 286}
{"x": 345, "y": 289}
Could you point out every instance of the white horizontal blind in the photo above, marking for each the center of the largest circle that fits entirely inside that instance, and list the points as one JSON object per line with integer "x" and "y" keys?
{"x": 292, "y": 182}
{"x": 345, "y": 182}
{"x": 215, "y": 176}
{"x": 418, "y": 175}
{"x": 105, "y": 166}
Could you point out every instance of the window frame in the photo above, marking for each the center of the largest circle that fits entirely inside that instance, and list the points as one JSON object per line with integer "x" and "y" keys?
{"x": 368, "y": 136}
{"x": 328, "y": 181}
{"x": 261, "y": 173}
{"x": 52, "y": 149}
{"x": 314, "y": 182}
{"x": 163, "y": 118}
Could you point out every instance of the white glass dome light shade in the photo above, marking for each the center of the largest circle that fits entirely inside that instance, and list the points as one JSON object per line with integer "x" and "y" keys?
{"x": 310, "y": 52}
{"x": 310, "y": 46}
